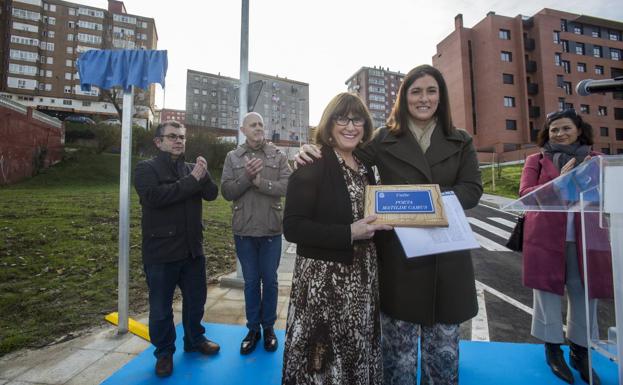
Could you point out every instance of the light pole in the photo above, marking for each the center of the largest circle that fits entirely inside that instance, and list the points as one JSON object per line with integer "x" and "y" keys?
{"x": 244, "y": 67}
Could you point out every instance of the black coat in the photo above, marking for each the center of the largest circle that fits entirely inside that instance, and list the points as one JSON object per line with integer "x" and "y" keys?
{"x": 318, "y": 212}
{"x": 171, "y": 200}
{"x": 436, "y": 288}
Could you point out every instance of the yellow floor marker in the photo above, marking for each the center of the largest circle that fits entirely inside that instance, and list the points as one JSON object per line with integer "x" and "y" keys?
{"x": 134, "y": 327}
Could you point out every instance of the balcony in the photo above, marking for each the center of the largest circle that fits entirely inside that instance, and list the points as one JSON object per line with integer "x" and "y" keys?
{"x": 533, "y": 88}
{"x": 534, "y": 112}
{"x": 530, "y": 66}
{"x": 529, "y": 44}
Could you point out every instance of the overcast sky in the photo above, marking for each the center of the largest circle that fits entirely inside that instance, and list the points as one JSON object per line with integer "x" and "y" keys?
{"x": 320, "y": 42}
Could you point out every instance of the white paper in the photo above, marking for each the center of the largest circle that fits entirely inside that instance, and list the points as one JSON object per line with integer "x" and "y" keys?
{"x": 420, "y": 241}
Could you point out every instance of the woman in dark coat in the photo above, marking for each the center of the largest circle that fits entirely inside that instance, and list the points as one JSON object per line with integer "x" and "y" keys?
{"x": 429, "y": 296}
{"x": 552, "y": 257}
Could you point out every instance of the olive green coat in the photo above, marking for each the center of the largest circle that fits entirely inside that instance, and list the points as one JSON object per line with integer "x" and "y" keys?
{"x": 437, "y": 288}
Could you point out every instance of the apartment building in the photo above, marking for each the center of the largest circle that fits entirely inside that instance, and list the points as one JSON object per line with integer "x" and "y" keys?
{"x": 378, "y": 88}
{"x": 506, "y": 73}
{"x": 44, "y": 40}
{"x": 212, "y": 102}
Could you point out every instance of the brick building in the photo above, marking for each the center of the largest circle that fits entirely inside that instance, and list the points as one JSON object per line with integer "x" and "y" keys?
{"x": 378, "y": 87}
{"x": 170, "y": 114}
{"x": 506, "y": 73}
{"x": 41, "y": 40}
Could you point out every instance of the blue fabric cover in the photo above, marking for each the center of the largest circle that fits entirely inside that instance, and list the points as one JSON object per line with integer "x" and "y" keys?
{"x": 125, "y": 68}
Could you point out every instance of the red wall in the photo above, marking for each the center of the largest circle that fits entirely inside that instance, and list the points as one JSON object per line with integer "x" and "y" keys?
{"x": 26, "y": 141}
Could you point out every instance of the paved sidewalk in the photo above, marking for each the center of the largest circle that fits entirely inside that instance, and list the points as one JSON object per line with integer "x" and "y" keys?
{"x": 495, "y": 201}
{"x": 95, "y": 356}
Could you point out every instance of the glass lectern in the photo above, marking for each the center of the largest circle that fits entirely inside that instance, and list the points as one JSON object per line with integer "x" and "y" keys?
{"x": 594, "y": 189}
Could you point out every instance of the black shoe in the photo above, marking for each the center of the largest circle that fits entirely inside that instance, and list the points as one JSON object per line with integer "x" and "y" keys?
{"x": 164, "y": 366}
{"x": 578, "y": 356}
{"x": 556, "y": 361}
{"x": 270, "y": 340}
{"x": 206, "y": 347}
{"x": 250, "y": 341}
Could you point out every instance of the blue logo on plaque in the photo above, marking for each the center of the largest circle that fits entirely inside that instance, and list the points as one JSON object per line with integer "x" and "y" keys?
{"x": 403, "y": 202}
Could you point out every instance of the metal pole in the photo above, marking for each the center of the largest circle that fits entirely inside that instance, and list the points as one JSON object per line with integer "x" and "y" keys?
{"x": 244, "y": 84}
{"x": 493, "y": 171}
{"x": 244, "y": 67}
{"x": 124, "y": 209}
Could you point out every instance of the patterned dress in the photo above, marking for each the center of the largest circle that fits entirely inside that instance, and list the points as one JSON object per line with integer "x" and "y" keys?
{"x": 333, "y": 333}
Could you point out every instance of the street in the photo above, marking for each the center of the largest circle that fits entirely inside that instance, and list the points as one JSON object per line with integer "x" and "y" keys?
{"x": 505, "y": 305}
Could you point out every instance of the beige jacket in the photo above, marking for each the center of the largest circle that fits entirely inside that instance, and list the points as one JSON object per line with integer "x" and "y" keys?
{"x": 257, "y": 211}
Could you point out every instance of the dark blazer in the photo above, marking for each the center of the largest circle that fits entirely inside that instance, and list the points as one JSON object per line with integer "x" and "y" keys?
{"x": 318, "y": 213}
{"x": 171, "y": 200}
{"x": 436, "y": 288}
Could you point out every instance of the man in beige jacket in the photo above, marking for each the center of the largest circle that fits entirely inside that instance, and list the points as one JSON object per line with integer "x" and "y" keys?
{"x": 255, "y": 177}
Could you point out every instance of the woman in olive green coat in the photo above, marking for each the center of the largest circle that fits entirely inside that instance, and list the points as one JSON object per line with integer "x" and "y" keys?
{"x": 427, "y": 297}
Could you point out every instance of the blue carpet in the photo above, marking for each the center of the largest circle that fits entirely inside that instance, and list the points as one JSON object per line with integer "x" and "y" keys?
{"x": 481, "y": 363}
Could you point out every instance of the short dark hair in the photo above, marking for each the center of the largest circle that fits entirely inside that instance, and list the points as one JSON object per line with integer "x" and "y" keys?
{"x": 341, "y": 105}
{"x": 173, "y": 123}
{"x": 586, "y": 130}
{"x": 398, "y": 119}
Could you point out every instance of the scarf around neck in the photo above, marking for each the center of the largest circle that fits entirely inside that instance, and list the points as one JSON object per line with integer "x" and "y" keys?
{"x": 560, "y": 154}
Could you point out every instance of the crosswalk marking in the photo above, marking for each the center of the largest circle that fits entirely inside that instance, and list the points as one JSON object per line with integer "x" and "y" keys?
{"x": 504, "y": 222}
{"x": 488, "y": 244}
{"x": 480, "y": 323}
{"x": 490, "y": 228}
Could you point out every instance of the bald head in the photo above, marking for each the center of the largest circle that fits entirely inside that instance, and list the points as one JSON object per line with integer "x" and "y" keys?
{"x": 253, "y": 129}
{"x": 249, "y": 115}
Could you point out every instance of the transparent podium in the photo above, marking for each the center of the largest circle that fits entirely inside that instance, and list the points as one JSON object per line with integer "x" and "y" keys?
{"x": 594, "y": 190}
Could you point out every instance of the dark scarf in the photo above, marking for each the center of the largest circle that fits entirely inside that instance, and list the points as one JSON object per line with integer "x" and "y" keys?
{"x": 560, "y": 154}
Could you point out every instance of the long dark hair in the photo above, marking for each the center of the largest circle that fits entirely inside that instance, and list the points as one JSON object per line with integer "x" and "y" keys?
{"x": 586, "y": 130}
{"x": 397, "y": 121}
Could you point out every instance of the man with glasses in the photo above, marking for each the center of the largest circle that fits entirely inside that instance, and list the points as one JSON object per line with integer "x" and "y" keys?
{"x": 171, "y": 192}
{"x": 255, "y": 177}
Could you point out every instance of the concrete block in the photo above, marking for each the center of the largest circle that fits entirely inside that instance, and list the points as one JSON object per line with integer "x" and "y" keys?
{"x": 62, "y": 368}
{"x": 101, "y": 369}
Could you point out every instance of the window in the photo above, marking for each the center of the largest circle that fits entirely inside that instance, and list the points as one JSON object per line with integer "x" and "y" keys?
{"x": 618, "y": 113}
{"x": 506, "y": 56}
{"x": 581, "y": 67}
{"x": 70, "y": 50}
{"x": 196, "y": 91}
{"x": 599, "y": 70}
{"x": 596, "y": 32}
{"x": 67, "y": 76}
{"x": 565, "y": 45}
{"x": 585, "y": 109}
{"x": 614, "y": 35}
{"x": 504, "y": 34}
{"x": 508, "y": 79}
{"x": 509, "y": 101}
{"x": 563, "y": 25}
{"x": 67, "y": 102}
{"x": 511, "y": 124}
{"x": 69, "y": 63}
{"x": 556, "y": 37}
{"x": 24, "y": 55}
{"x": 603, "y": 131}
{"x": 602, "y": 111}
{"x": 86, "y": 103}
{"x": 70, "y": 37}
{"x": 615, "y": 54}
{"x": 619, "y": 133}
{"x": 561, "y": 104}
{"x": 566, "y": 66}
{"x": 578, "y": 29}
{"x": 567, "y": 87}
{"x": 67, "y": 89}
{"x": 557, "y": 59}
{"x": 71, "y": 11}
{"x": 597, "y": 51}
{"x": 579, "y": 48}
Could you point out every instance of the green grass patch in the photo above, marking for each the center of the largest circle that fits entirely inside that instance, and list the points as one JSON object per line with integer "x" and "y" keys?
{"x": 506, "y": 181}
{"x": 59, "y": 250}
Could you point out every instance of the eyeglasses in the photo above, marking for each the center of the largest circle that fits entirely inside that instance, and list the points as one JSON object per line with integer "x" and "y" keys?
{"x": 566, "y": 113}
{"x": 173, "y": 137}
{"x": 344, "y": 120}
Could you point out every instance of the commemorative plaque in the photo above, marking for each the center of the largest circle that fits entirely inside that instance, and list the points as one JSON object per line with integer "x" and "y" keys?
{"x": 418, "y": 205}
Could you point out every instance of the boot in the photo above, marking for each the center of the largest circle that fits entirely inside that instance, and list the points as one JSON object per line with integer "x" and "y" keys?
{"x": 578, "y": 356}
{"x": 556, "y": 361}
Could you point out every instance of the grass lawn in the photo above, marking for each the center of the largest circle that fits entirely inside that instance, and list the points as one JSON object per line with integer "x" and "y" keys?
{"x": 506, "y": 181}
{"x": 59, "y": 250}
